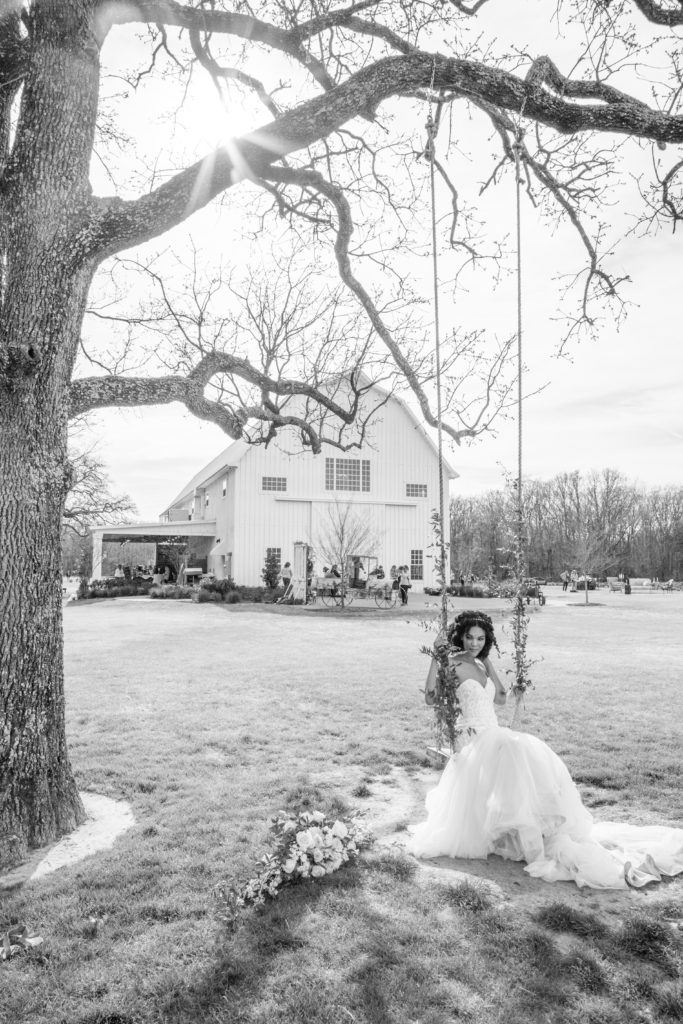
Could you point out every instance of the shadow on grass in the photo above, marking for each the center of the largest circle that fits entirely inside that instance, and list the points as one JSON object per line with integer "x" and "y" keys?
{"x": 283, "y": 965}
{"x": 371, "y": 944}
{"x": 247, "y": 961}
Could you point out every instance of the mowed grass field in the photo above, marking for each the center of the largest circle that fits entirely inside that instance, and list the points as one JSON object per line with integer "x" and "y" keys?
{"x": 209, "y": 719}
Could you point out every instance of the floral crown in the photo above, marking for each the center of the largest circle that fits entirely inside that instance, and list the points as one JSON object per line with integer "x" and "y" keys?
{"x": 473, "y": 618}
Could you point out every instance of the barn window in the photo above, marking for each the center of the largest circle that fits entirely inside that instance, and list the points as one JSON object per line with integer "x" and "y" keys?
{"x": 347, "y": 474}
{"x": 416, "y": 564}
{"x": 274, "y": 483}
{"x": 277, "y": 554}
{"x": 416, "y": 490}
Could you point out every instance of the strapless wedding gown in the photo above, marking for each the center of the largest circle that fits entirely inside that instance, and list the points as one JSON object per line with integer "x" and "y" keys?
{"x": 508, "y": 793}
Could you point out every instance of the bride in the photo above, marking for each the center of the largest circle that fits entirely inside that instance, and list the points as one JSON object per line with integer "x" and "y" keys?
{"x": 508, "y": 793}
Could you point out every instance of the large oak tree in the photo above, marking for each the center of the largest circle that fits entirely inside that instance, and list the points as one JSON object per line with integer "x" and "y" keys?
{"x": 322, "y": 82}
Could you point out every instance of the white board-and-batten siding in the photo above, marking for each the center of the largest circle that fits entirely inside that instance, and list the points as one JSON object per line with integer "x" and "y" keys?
{"x": 399, "y": 455}
{"x": 249, "y": 519}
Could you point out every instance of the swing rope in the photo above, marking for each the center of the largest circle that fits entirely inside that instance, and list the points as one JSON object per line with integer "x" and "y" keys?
{"x": 432, "y": 128}
{"x": 520, "y": 661}
{"x": 520, "y": 568}
{"x": 520, "y": 523}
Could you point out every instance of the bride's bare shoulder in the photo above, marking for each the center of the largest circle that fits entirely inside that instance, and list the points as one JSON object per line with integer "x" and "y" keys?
{"x": 464, "y": 668}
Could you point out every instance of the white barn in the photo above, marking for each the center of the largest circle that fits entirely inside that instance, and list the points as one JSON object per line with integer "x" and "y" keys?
{"x": 250, "y": 499}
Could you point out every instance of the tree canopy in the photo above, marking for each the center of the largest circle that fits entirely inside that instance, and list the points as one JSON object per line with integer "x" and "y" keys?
{"x": 336, "y": 95}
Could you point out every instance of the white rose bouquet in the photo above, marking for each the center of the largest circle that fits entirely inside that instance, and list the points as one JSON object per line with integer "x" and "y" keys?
{"x": 307, "y": 845}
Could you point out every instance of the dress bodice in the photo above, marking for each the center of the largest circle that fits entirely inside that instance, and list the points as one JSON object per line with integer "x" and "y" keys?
{"x": 476, "y": 702}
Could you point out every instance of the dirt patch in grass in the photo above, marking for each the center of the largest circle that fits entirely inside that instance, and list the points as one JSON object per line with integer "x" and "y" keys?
{"x": 396, "y": 803}
{"x": 106, "y": 820}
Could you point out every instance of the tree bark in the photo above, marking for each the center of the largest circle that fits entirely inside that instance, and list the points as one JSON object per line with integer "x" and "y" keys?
{"x": 38, "y": 796}
{"x": 45, "y": 194}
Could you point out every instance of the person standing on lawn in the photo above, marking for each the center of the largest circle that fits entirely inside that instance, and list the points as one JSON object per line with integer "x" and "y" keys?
{"x": 404, "y": 583}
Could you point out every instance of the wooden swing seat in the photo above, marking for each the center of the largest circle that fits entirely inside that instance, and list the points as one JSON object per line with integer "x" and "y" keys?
{"x": 439, "y": 753}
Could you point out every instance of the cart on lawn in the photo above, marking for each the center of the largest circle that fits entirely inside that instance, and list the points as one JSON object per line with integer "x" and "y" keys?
{"x": 533, "y": 592}
{"x": 334, "y": 591}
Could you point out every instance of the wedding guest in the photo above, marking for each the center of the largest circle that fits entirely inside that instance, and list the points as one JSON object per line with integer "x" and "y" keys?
{"x": 404, "y": 583}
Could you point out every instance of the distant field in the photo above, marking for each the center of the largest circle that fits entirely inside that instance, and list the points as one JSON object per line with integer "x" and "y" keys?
{"x": 209, "y": 719}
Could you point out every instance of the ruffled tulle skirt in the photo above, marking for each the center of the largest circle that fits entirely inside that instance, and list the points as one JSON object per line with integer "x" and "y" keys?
{"x": 509, "y": 794}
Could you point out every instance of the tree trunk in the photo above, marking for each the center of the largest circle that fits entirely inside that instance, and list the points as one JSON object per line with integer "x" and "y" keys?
{"x": 45, "y": 198}
{"x": 38, "y": 796}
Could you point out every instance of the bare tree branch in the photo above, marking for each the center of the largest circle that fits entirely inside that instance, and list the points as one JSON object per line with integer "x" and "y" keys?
{"x": 100, "y": 392}
{"x": 90, "y": 500}
{"x": 313, "y": 180}
{"x": 567, "y": 194}
{"x": 460, "y": 5}
{"x": 244, "y": 26}
{"x": 661, "y": 13}
{"x": 545, "y": 96}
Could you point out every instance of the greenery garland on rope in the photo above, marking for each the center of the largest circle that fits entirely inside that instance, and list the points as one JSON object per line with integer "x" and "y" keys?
{"x": 519, "y": 618}
{"x": 440, "y": 691}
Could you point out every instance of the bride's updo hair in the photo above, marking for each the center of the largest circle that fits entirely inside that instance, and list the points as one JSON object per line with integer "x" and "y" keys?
{"x": 463, "y": 622}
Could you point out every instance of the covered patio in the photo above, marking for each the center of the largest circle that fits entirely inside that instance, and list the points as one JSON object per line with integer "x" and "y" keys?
{"x": 197, "y": 537}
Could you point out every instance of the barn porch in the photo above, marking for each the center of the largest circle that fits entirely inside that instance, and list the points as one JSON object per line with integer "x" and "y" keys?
{"x": 197, "y": 539}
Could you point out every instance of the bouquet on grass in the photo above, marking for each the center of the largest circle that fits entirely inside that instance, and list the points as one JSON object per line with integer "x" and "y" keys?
{"x": 307, "y": 845}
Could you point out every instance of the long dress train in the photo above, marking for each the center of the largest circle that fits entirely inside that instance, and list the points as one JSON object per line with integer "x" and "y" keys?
{"x": 508, "y": 793}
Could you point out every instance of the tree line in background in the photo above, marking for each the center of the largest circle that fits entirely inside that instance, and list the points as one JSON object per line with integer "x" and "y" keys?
{"x": 598, "y": 522}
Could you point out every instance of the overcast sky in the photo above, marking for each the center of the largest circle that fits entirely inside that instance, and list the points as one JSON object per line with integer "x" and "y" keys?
{"x": 616, "y": 402}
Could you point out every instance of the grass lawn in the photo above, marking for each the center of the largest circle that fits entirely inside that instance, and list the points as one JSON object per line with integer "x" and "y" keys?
{"x": 209, "y": 719}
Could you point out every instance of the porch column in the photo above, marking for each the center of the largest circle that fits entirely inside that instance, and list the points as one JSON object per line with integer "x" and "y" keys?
{"x": 96, "y": 555}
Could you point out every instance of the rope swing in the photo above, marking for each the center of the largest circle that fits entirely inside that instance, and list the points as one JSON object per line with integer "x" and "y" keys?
{"x": 519, "y": 619}
{"x": 430, "y": 152}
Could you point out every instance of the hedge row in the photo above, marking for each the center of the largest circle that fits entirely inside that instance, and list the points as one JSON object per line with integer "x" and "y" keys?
{"x": 115, "y": 588}
{"x": 467, "y": 590}
{"x": 209, "y": 591}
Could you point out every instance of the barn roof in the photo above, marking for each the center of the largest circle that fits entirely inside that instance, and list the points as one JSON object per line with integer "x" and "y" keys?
{"x": 231, "y": 456}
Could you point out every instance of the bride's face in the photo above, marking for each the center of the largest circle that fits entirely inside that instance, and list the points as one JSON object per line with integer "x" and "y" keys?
{"x": 474, "y": 640}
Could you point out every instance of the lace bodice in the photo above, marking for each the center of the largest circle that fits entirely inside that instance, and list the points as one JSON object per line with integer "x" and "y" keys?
{"x": 477, "y": 705}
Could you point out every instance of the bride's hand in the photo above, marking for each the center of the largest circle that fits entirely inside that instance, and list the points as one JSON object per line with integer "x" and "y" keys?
{"x": 501, "y": 697}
